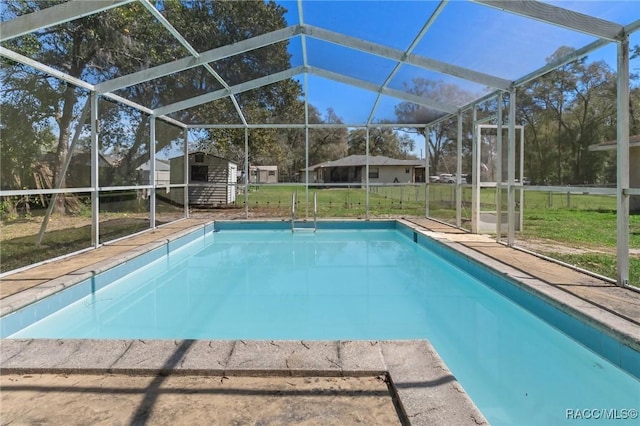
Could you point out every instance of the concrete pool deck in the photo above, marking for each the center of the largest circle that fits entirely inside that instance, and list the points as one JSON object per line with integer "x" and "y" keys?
{"x": 424, "y": 390}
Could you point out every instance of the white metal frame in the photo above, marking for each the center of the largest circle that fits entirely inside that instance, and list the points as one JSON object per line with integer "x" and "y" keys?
{"x": 511, "y": 185}
{"x": 605, "y": 31}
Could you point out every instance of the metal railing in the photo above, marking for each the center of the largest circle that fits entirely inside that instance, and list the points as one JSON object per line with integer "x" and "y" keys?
{"x": 293, "y": 214}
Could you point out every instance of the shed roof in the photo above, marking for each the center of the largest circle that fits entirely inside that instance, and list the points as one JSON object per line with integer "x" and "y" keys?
{"x": 161, "y": 165}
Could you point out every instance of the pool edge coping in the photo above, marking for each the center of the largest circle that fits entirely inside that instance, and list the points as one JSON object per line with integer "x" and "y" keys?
{"x": 605, "y": 321}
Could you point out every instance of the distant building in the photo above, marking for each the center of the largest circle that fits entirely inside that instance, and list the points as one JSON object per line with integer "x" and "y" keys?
{"x": 78, "y": 173}
{"x": 263, "y": 174}
{"x": 162, "y": 173}
{"x": 212, "y": 179}
{"x": 382, "y": 169}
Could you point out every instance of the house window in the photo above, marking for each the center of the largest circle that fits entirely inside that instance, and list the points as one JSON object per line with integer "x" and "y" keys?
{"x": 199, "y": 157}
{"x": 199, "y": 173}
{"x": 407, "y": 170}
{"x": 272, "y": 173}
{"x": 373, "y": 173}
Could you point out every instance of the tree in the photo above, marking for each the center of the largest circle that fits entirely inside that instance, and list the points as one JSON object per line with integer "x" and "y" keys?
{"x": 566, "y": 111}
{"x": 128, "y": 39}
{"x": 382, "y": 141}
{"x": 441, "y": 134}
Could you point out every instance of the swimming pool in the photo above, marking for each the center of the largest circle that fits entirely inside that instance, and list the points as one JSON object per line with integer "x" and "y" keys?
{"x": 380, "y": 281}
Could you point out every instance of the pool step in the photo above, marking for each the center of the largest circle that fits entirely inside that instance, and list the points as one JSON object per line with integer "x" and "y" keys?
{"x": 304, "y": 230}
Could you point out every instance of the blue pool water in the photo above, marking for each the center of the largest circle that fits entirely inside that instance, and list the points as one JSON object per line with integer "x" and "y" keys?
{"x": 359, "y": 284}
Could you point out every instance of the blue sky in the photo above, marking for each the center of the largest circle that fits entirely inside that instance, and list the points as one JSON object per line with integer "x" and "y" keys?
{"x": 466, "y": 34}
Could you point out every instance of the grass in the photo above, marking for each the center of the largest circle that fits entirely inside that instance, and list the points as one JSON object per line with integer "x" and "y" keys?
{"x": 600, "y": 263}
{"x": 575, "y": 220}
{"x": 21, "y": 251}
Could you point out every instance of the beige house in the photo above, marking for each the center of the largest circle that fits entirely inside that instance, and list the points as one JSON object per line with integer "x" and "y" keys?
{"x": 263, "y": 174}
{"x": 634, "y": 161}
{"x": 352, "y": 169}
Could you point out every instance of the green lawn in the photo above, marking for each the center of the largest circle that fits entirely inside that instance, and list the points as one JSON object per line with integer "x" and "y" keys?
{"x": 578, "y": 221}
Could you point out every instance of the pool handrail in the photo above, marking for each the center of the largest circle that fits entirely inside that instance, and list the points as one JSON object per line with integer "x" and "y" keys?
{"x": 315, "y": 211}
{"x": 293, "y": 213}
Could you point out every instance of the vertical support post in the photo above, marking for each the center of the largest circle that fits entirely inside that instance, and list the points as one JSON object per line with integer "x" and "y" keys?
{"x": 499, "y": 168}
{"x": 306, "y": 169}
{"x": 95, "y": 195}
{"x": 306, "y": 123}
{"x": 475, "y": 174}
{"x": 622, "y": 187}
{"x": 521, "y": 210}
{"x": 511, "y": 168}
{"x": 186, "y": 173}
{"x": 152, "y": 171}
{"x": 246, "y": 173}
{"x": 459, "y": 173}
{"x": 366, "y": 171}
{"x": 427, "y": 172}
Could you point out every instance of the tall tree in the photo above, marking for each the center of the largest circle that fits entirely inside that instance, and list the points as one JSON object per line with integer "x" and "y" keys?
{"x": 441, "y": 134}
{"x": 128, "y": 39}
{"x": 382, "y": 141}
{"x": 566, "y": 111}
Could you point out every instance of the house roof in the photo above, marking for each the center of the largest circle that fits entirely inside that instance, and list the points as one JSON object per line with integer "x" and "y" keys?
{"x": 361, "y": 160}
{"x": 78, "y": 159}
{"x": 200, "y": 152}
{"x": 160, "y": 165}
{"x": 634, "y": 141}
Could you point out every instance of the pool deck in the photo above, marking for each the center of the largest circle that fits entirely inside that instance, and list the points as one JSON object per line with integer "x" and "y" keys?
{"x": 424, "y": 390}
{"x": 604, "y": 294}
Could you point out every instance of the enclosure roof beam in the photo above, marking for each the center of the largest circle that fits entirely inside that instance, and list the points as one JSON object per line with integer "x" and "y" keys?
{"x": 559, "y": 16}
{"x": 340, "y": 78}
{"x": 176, "y": 34}
{"x": 399, "y": 55}
{"x": 55, "y": 15}
{"x": 408, "y": 52}
{"x": 302, "y": 126}
{"x": 204, "y": 58}
{"x": 233, "y": 90}
{"x": 10, "y": 54}
{"x": 561, "y": 61}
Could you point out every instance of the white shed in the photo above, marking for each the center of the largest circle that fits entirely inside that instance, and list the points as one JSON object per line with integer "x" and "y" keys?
{"x": 212, "y": 179}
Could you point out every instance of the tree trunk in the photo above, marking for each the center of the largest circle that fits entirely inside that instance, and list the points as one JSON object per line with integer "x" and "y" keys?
{"x": 64, "y": 202}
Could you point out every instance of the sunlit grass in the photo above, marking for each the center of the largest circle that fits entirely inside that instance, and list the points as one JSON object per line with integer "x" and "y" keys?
{"x": 574, "y": 220}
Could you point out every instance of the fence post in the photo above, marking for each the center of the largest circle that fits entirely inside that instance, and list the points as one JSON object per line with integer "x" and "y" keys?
{"x": 550, "y": 202}
{"x": 568, "y": 199}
